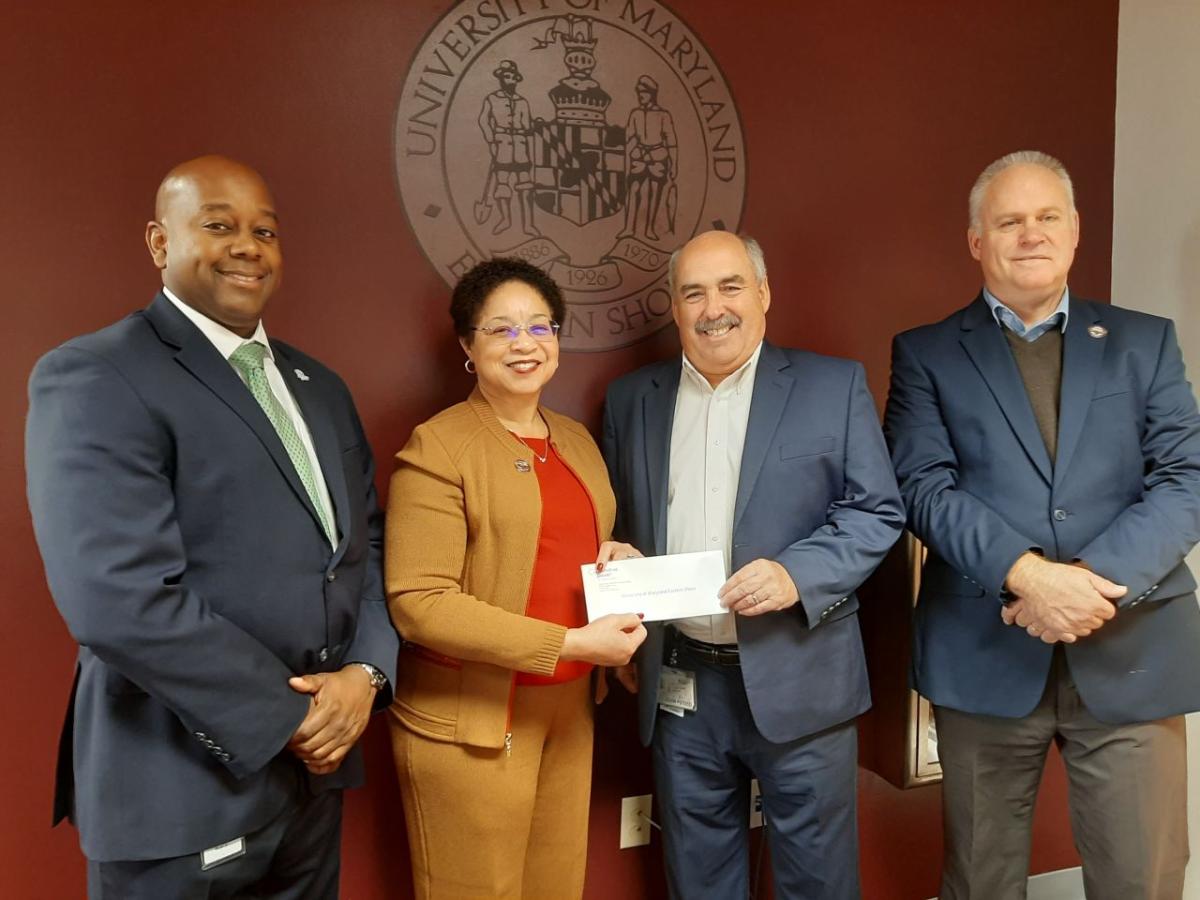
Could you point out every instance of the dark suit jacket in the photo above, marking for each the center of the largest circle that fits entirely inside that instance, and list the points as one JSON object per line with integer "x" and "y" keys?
{"x": 1123, "y": 496}
{"x": 815, "y": 493}
{"x": 188, "y": 562}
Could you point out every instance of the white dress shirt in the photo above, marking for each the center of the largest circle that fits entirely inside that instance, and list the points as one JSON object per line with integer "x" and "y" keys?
{"x": 226, "y": 343}
{"x": 707, "y": 437}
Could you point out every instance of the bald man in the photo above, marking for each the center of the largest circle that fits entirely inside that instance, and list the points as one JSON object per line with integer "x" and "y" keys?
{"x": 204, "y": 503}
{"x": 773, "y": 457}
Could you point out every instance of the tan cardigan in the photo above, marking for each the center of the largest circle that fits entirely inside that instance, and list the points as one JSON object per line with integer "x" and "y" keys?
{"x": 464, "y": 514}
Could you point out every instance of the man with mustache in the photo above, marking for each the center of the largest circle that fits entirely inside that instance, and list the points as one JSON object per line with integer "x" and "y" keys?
{"x": 774, "y": 457}
{"x": 1048, "y": 450}
{"x": 204, "y": 503}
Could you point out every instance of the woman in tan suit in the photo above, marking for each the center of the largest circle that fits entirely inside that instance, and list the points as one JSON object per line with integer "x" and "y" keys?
{"x": 494, "y": 505}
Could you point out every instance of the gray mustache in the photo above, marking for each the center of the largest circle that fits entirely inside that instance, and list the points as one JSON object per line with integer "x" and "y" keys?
{"x": 729, "y": 320}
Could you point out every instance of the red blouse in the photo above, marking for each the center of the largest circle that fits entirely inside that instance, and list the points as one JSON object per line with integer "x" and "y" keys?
{"x": 568, "y": 538}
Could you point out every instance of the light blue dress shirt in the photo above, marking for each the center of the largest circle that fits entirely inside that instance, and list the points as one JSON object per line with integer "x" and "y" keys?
{"x": 1013, "y": 323}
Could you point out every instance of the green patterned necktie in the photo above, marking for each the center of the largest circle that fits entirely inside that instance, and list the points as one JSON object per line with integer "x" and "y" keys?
{"x": 248, "y": 360}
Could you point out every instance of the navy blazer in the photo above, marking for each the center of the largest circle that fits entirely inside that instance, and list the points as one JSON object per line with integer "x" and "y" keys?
{"x": 815, "y": 493}
{"x": 190, "y": 565}
{"x": 1123, "y": 496}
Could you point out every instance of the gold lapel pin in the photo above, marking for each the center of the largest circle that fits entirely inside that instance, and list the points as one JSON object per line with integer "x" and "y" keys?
{"x": 1097, "y": 331}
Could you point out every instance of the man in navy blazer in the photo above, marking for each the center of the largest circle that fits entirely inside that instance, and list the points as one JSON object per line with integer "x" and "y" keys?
{"x": 1048, "y": 450}
{"x": 217, "y": 558}
{"x": 774, "y": 457}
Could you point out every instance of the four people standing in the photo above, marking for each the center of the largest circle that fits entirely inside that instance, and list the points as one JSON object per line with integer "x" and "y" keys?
{"x": 203, "y": 499}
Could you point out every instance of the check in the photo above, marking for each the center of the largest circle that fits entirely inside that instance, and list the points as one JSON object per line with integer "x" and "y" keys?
{"x": 676, "y": 586}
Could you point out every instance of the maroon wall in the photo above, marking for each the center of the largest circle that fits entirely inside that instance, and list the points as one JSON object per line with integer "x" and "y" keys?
{"x": 865, "y": 123}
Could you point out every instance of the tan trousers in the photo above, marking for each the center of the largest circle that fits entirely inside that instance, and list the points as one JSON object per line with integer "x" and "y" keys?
{"x": 488, "y": 824}
{"x": 1127, "y": 791}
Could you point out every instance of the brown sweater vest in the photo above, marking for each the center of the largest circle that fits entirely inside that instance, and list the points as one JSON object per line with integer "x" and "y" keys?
{"x": 1040, "y": 365}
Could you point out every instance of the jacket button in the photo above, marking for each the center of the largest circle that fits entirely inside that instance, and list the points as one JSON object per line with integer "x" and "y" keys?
{"x": 324, "y": 654}
{"x": 1060, "y": 515}
{"x": 331, "y": 577}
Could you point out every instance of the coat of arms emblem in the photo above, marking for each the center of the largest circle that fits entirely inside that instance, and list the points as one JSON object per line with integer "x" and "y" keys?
{"x": 591, "y": 145}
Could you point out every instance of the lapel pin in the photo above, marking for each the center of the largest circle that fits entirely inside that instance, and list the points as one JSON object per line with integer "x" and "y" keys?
{"x": 522, "y": 465}
{"x": 1097, "y": 331}
{"x": 300, "y": 374}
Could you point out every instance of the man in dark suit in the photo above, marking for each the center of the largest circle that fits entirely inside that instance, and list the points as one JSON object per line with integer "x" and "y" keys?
{"x": 1048, "y": 449}
{"x": 204, "y": 504}
{"x": 774, "y": 457}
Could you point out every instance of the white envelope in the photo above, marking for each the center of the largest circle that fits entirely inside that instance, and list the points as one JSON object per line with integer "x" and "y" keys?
{"x": 677, "y": 586}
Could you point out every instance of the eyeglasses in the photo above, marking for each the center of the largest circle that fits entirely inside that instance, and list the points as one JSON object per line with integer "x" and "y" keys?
{"x": 539, "y": 331}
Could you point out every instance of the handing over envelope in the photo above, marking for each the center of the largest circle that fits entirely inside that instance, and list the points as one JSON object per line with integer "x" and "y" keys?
{"x": 677, "y": 586}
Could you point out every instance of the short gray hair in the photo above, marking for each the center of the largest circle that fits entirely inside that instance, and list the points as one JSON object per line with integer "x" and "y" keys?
{"x": 753, "y": 250}
{"x": 1019, "y": 158}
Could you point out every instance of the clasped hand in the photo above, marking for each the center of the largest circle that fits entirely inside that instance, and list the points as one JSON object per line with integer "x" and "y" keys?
{"x": 340, "y": 705}
{"x": 1058, "y": 601}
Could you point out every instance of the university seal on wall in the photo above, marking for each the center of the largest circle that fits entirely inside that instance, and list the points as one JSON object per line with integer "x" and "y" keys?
{"x": 590, "y": 137}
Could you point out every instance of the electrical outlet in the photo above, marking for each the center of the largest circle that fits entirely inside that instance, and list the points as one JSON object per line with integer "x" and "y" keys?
{"x": 756, "y": 814}
{"x": 635, "y": 821}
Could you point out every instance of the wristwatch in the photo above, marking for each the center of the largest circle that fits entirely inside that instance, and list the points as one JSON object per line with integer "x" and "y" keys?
{"x": 378, "y": 679}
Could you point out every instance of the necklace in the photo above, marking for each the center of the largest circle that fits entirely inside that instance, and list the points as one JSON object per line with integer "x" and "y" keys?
{"x": 540, "y": 457}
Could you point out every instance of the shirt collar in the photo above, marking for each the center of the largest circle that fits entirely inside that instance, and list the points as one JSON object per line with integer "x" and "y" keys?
{"x": 734, "y": 383}
{"x": 221, "y": 337}
{"x": 1010, "y": 320}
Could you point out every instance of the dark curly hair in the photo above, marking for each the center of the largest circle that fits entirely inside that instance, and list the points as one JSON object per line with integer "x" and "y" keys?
{"x": 473, "y": 289}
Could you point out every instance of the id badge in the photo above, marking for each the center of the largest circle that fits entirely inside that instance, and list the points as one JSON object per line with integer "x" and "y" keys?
{"x": 222, "y": 853}
{"x": 677, "y": 690}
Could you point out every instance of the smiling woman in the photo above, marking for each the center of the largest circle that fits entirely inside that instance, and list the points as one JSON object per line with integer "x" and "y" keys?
{"x": 494, "y": 505}
{"x": 514, "y": 353}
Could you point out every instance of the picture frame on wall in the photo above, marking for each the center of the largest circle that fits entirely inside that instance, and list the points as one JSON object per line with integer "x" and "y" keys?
{"x": 921, "y": 764}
